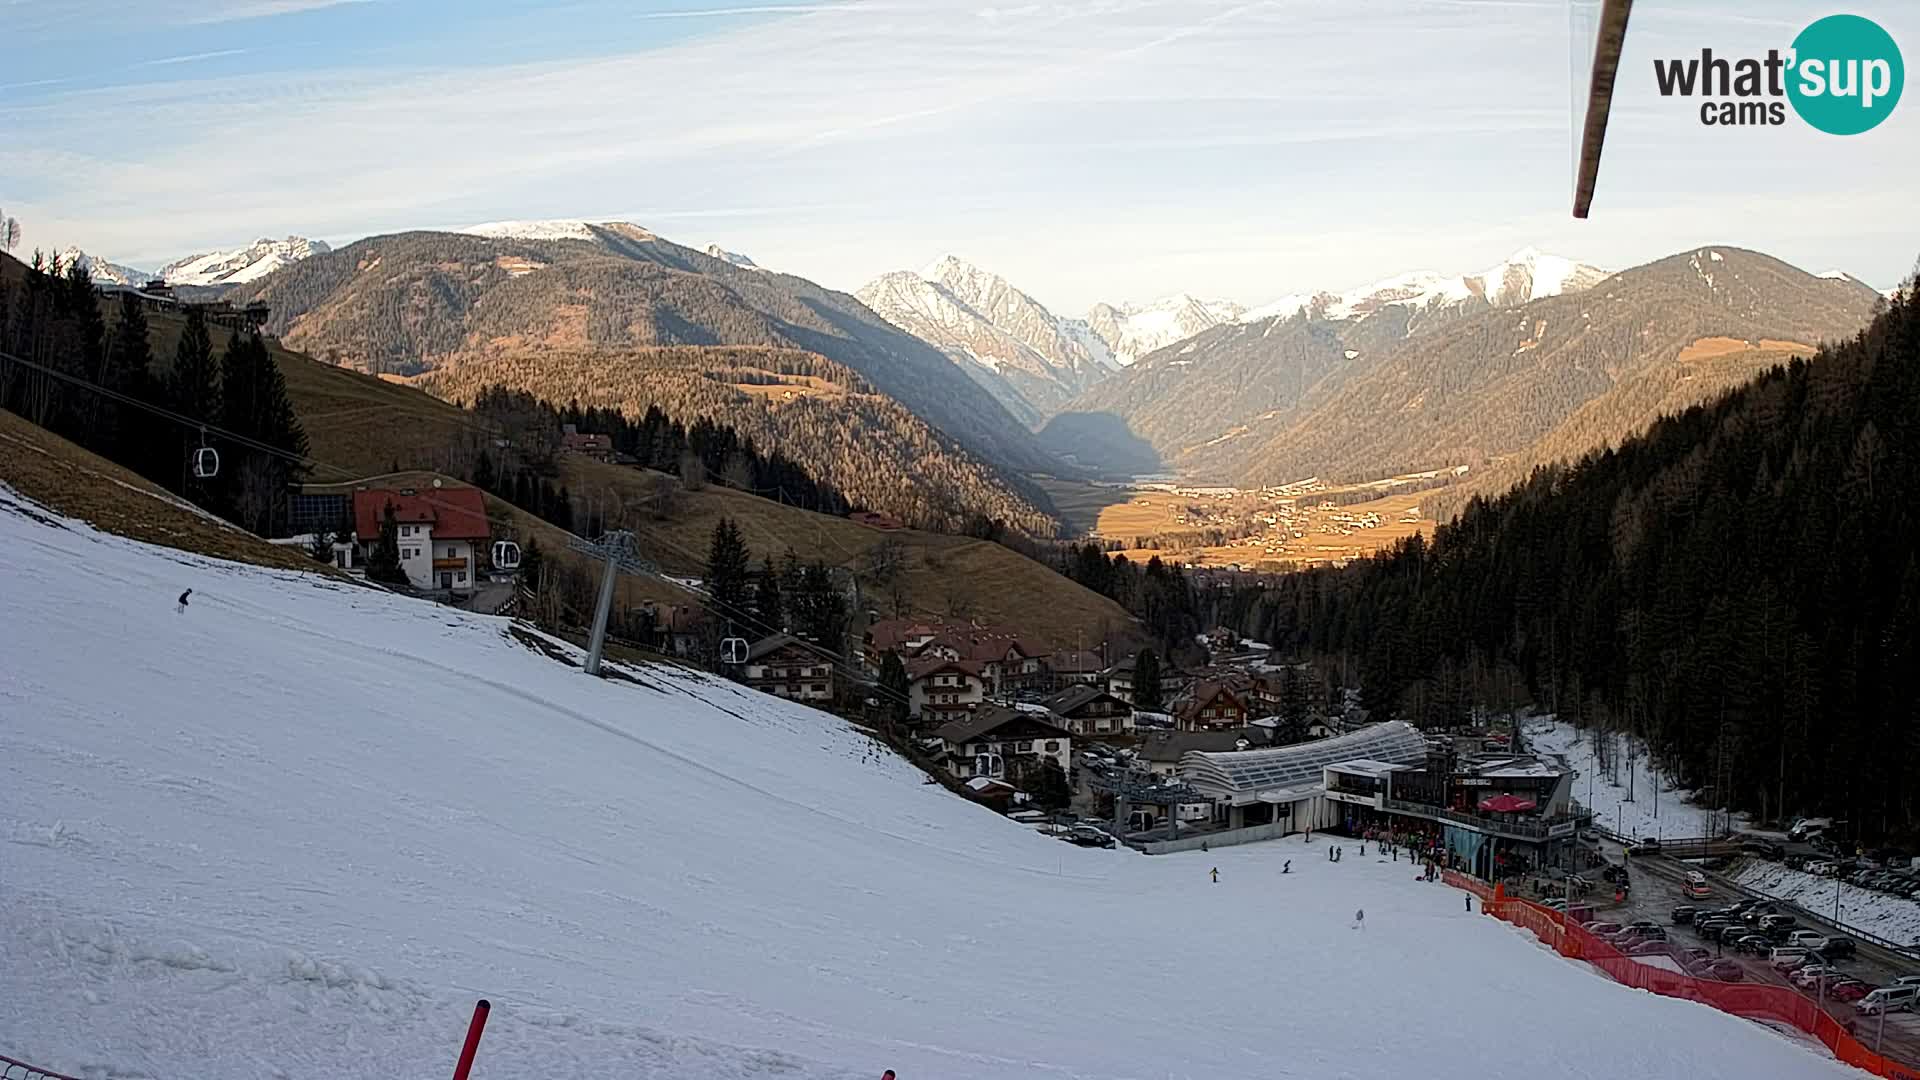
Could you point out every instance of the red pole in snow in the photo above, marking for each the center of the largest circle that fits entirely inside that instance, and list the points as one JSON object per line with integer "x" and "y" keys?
{"x": 479, "y": 1024}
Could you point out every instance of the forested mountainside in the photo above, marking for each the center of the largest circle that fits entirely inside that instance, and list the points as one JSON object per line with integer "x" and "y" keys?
{"x": 865, "y": 444}
{"x": 1740, "y": 585}
{"x": 1401, "y": 388}
{"x": 408, "y": 302}
{"x": 1206, "y": 389}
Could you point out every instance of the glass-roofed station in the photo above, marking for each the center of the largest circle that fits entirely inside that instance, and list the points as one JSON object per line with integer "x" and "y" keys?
{"x": 1256, "y": 787}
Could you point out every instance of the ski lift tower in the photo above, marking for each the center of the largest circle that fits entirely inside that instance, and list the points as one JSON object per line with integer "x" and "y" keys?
{"x": 1133, "y": 788}
{"x": 621, "y": 554}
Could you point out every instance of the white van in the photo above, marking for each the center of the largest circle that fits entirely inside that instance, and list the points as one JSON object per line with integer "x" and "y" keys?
{"x": 1811, "y": 940}
{"x": 1888, "y": 999}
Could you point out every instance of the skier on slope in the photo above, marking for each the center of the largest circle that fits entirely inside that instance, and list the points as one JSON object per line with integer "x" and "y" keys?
{"x": 1216, "y": 875}
{"x": 183, "y": 602}
{"x": 1287, "y": 867}
{"x": 1360, "y": 919}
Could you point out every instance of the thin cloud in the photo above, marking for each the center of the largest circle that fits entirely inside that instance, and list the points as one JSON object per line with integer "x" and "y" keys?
{"x": 191, "y": 58}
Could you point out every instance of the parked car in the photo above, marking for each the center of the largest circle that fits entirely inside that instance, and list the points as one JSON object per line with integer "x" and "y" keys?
{"x": 1753, "y": 914}
{"x": 1786, "y": 959}
{"x": 1088, "y": 836}
{"x": 1847, "y": 989}
{"x": 1754, "y": 945}
{"x": 1766, "y": 849}
{"x": 1812, "y": 940}
{"x": 1774, "y": 922}
{"x": 1684, "y": 914}
{"x": 1558, "y": 903}
{"x": 1726, "y": 970}
{"x": 1694, "y": 953}
{"x": 1602, "y": 929}
{"x": 1838, "y": 948}
{"x": 1807, "y": 975}
{"x": 1734, "y": 932}
{"x": 1647, "y": 846}
{"x": 1647, "y": 947}
{"x": 1906, "y": 980}
{"x": 1888, "y": 999}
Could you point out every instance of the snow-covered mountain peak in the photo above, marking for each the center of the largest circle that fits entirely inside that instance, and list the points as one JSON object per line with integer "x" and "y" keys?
{"x": 241, "y": 265}
{"x": 1526, "y": 275}
{"x": 102, "y": 271}
{"x": 550, "y": 229}
{"x": 732, "y": 257}
{"x": 1132, "y": 330}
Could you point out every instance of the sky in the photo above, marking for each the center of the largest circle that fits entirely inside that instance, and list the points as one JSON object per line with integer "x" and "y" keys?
{"x": 1088, "y": 150}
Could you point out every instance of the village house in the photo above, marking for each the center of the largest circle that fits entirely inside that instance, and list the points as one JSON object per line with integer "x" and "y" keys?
{"x": 1089, "y": 710}
{"x": 1210, "y": 706}
{"x": 1001, "y": 743}
{"x": 436, "y": 532}
{"x": 1160, "y": 751}
{"x": 1076, "y": 667}
{"x": 597, "y": 447}
{"x": 1120, "y": 680}
{"x": 941, "y": 690}
{"x": 785, "y": 667}
{"x": 1007, "y": 663}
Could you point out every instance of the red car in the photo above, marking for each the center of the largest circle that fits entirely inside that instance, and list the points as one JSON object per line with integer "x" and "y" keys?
{"x": 1848, "y": 990}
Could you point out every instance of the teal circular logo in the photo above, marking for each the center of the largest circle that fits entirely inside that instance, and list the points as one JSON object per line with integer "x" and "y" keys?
{"x": 1846, "y": 74}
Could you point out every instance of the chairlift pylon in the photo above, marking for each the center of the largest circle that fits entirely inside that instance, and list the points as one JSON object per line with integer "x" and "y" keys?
{"x": 506, "y": 555}
{"x": 206, "y": 460}
{"x": 733, "y": 650}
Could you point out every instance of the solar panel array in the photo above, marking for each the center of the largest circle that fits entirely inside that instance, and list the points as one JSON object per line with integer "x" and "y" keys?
{"x": 1290, "y": 766}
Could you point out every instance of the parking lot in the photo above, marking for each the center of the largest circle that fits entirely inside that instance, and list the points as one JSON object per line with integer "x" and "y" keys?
{"x": 1659, "y": 886}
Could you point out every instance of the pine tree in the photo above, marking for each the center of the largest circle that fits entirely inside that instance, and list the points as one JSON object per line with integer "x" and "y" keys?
{"x": 530, "y": 563}
{"x": 193, "y": 391}
{"x": 894, "y": 687}
{"x": 726, "y": 577}
{"x": 483, "y": 476}
{"x": 383, "y": 564}
{"x": 769, "y": 605}
{"x": 819, "y": 608}
{"x": 1146, "y": 681}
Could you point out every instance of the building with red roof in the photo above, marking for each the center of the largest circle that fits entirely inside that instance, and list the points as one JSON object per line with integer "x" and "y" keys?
{"x": 437, "y": 530}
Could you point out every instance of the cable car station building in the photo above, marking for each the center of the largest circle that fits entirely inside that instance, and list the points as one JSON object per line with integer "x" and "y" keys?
{"x": 1388, "y": 776}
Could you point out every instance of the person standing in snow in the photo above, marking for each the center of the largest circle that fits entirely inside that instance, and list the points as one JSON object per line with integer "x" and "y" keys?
{"x": 1360, "y": 919}
{"x": 888, "y": 1075}
{"x": 1216, "y": 875}
{"x": 1469, "y": 903}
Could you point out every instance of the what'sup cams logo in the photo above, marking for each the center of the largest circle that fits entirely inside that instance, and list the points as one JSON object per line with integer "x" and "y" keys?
{"x": 1843, "y": 75}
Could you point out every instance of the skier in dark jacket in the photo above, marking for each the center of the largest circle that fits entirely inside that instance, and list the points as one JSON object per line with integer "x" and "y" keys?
{"x": 183, "y": 601}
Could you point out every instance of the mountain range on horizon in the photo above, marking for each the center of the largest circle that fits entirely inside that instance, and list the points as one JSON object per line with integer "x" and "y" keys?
{"x": 229, "y": 266}
{"x": 1414, "y": 371}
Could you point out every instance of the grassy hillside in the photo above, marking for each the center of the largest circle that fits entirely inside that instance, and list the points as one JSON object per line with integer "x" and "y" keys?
{"x": 940, "y": 574}
{"x": 357, "y": 425}
{"x": 81, "y": 484}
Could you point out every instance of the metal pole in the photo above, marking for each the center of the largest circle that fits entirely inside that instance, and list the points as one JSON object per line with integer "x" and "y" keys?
{"x": 1881, "y": 1035}
{"x": 600, "y": 613}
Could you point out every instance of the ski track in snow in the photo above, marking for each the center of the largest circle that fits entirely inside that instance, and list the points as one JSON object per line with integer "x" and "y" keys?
{"x": 297, "y": 829}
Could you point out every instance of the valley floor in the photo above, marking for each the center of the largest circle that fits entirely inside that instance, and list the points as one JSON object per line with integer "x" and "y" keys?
{"x": 297, "y": 828}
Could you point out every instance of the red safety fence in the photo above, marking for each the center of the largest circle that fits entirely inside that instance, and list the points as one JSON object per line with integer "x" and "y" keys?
{"x": 1752, "y": 1001}
{"x": 20, "y": 1070}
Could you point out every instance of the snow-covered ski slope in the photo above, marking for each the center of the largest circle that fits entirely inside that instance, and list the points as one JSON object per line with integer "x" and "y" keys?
{"x": 296, "y": 829}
